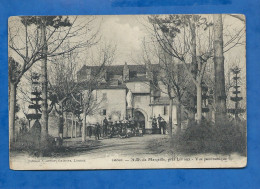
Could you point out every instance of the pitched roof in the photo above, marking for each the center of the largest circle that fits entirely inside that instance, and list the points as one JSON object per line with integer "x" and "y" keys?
{"x": 84, "y": 85}
{"x": 122, "y": 86}
{"x": 118, "y": 69}
{"x": 138, "y": 79}
{"x": 163, "y": 100}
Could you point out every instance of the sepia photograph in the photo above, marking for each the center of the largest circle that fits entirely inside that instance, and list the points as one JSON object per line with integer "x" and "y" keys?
{"x": 127, "y": 92}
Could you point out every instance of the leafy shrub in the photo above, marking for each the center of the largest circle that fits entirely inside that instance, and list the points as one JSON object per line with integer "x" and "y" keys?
{"x": 225, "y": 137}
{"x": 28, "y": 142}
{"x": 31, "y": 143}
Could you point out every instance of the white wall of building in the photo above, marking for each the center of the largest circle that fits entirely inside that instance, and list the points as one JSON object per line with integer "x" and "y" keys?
{"x": 112, "y": 102}
{"x": 159, "y": 109}
{"x": 138, "y": 87}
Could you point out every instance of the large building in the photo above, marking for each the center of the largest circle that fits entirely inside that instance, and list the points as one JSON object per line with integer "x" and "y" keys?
{"x": 128, "y": 91}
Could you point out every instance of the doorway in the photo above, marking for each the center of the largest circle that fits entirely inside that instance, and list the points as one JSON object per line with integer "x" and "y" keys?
{"x": 139, "y": 119}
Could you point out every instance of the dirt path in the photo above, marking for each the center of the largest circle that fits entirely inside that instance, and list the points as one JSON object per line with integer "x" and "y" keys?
{"x": 119, "y": 153}
{"x": 123, "y": 147}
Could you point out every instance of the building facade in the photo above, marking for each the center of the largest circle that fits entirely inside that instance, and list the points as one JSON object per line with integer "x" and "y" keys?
{"x": 128, "y": 91}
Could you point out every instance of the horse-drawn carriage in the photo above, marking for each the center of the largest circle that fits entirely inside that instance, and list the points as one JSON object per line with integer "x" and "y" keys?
{"x": 124, "y": 130}
{"x": 117, "y": 129}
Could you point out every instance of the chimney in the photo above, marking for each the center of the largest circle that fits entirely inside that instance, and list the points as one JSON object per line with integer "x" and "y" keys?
{"x": 149, "y": 72}
{"x": 125, "y": 72}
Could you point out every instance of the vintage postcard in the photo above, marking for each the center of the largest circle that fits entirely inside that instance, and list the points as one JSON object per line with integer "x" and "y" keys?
{"x": 127, "y": 92}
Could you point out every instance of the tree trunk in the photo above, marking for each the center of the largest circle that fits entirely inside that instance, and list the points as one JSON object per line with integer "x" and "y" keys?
{"x": 194, "y": 65}
{"x": 84, "y": 124}
{"x": 178, "y": 119}
{"x": 12, "y": 102}
{"x": 170, "y": 117}
{"x": 80, "y": 128}
{"x": 44, "y": 106}
{"x": 61, "y": 126}
{"x": 75, "y": 129}
{"x": 72, "y": 125}
{"x": 220, "y": 94}
{"x": 61, "y": 123}
{"x": 66, "y": 124}
{"x": 29, "y": 122}
{"x": 199, "y": 103}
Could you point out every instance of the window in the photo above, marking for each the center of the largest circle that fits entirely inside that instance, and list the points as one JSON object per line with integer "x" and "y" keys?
{"x": 133, "y": 74}
{"x": 104, "y": 112}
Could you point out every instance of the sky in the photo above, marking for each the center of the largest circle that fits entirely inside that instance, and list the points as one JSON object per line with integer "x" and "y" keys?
{"x": 128, "y": 31}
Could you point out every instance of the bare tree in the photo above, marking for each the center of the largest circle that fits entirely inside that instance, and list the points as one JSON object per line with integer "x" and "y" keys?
{"x": 178, "y": 36}
{"x": 35, "y": 38}
{"x": 62, "y": 83}
{"x": 14, "y": 70}
{"x": 86, "y": 99}
{"x": 173, "y": 78}
{"x": 189, "y": 40}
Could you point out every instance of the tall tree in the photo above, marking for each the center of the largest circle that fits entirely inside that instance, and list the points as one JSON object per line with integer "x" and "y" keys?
{"x": 172, "y": 77}
{"x": 40, "y": 38}
{"x": 89, "y": 103}
{"x": 43, "y": 23}
{"x": 189, "y": 39}
{"x": 15, "y": 71}
{"x": 171, "y": 34}
{"x": 220, "y": 93}
{"x": 62, "y": 83}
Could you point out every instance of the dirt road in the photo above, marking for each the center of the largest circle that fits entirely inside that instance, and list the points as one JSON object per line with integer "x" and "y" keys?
{"x": 121, "y": 147}
{"x": 119, "y": 153}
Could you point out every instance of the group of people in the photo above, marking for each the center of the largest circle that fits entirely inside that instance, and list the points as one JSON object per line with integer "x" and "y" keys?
{"x": 159, "y": 123}
{"x": 123, "y": 129}
{"x": 95, "y": 130}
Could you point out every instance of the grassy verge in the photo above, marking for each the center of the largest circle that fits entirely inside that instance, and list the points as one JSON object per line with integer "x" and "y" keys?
{"x": 227, "y": 138}
{"x": 28, "y": 143}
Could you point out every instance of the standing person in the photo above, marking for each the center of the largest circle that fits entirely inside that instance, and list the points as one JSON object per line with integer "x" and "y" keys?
{"x": 100, "y": 129}
{"x": 160, "y": 120}
{"x": 164, "y": 126}
{"x": 97, "y": 131}
{"x": 110, "y": 127}
{"x": 124, "y": 127}
{"x": 154, "y": 124}
{"x": 138, "y": 128}
{"x": 120, "y": 128}
{"x": 128, "y": 128}
{"x": 112, "y": 130}
{"x": 116, "y": 127}
{"x": 131, "y": 122}
{"x": 89, "y": 131}
{"x": 105, "y": 124}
